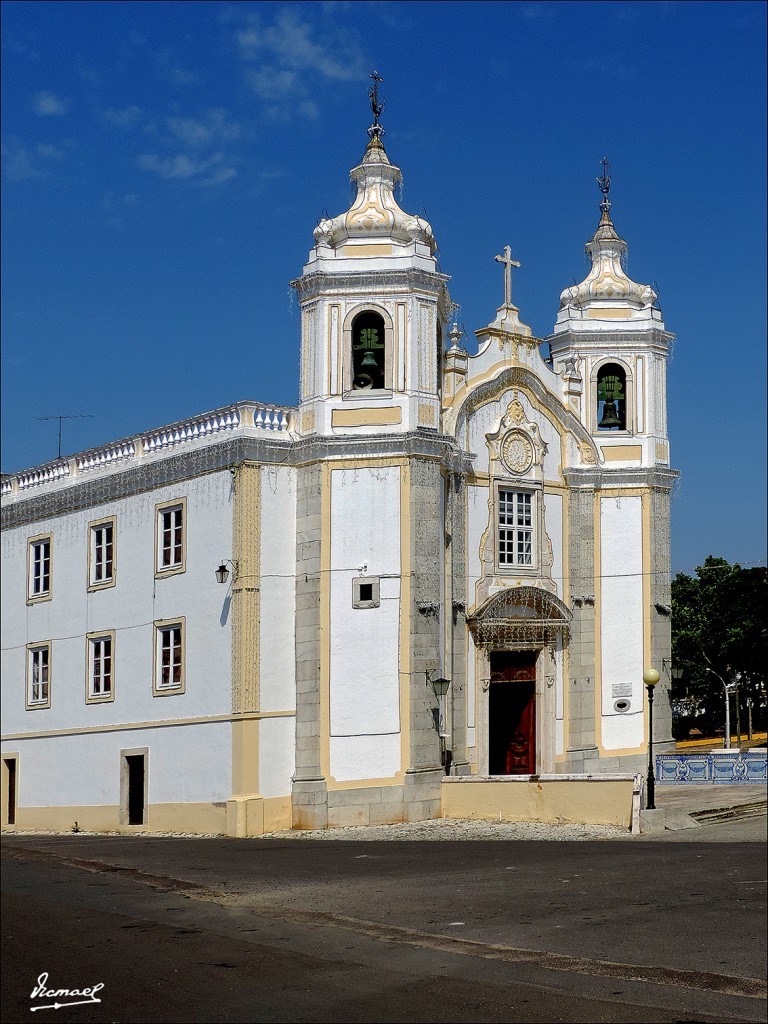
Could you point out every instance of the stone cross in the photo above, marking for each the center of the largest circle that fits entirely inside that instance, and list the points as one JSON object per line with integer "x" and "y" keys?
{"x": 508, "y": 262}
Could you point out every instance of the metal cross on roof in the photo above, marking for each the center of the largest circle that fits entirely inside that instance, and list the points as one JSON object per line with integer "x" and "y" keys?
{"x": 508, "y": 262}
{"x": 604, "y": 184}
{"x": 377, "y": 105}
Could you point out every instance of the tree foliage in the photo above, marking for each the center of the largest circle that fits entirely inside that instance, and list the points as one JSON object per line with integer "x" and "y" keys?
{"x": 719, "y": 636}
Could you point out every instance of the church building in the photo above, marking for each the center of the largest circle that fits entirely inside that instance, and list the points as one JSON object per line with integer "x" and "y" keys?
{"x": 438, "y": 566}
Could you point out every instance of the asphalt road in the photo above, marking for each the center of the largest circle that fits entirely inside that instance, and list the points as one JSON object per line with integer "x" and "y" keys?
{"x": 298, "y": 930}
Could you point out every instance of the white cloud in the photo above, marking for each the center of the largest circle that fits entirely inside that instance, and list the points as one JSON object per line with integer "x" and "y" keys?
{"x": 46, "y": 104}
{"x": 183, "y": 166}
{"x": 214, "y": 126}
{"x": 25, "y": 163}
{"x": 284, "y": 57}
{"x": 123, "y": 117}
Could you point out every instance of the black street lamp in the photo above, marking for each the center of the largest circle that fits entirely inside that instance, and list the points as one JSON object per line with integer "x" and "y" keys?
{"x": 650, "y": 678}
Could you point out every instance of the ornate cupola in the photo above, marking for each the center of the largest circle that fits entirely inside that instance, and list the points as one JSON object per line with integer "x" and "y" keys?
{"x": 374, "y": 309}
{"x": 610, "y": 348}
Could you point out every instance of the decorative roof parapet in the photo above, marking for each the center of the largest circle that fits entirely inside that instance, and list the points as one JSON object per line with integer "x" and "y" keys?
{"x": 242, "y": 417}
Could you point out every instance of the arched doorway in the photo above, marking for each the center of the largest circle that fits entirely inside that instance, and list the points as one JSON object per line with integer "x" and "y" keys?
{"x": 517, "y": 635}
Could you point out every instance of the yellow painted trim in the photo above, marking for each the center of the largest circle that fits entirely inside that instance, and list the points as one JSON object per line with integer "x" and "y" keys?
{"x": 566, "y": 596}
{"x": 625, "y": 492}
{"x": 160, "y": 723}
{"x": 609, "y": 314}
{"x": 646, "y": 554}
{"x": 369, "y": 417}
{"x": 36, "y": 646}
{"x": 102, "y": 584}
{"x": 171, "y": 570}
{"x": 45, "y": 595}
{"x": 622, "y": 452}
{"x": 246, "y": 596}
{"x": 89, "y": 637}
{"x": 336, "y": 785}
{"x": 405, "y": 616}
{"x": 325, "y": 620}
{"x": 5, "y": 785}
{"x": 245, "y": 757}
{"x": 598, "y": 613}
{"x": 160, "y": 624}
{"x": 205, "y": 818}
{"x": 370, "y": 249}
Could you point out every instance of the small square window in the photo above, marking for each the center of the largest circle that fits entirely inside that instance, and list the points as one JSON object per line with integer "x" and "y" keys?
{"x": 365, "y": 592}
{"x": 169, "y": 657}
{"x": 101, "y": 554}
{"x": 39, "y": 569}
{"x": 170, "y": 538}
{"x": 101, "y": 675}
{"x": 38, "y": 676}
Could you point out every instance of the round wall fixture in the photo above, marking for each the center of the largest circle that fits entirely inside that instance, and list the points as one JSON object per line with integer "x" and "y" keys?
{"x": 622, "y": 706}
{"x": 517, "y": 451}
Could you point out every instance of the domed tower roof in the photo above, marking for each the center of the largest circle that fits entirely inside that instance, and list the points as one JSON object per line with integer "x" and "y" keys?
{"x": 607, "y": 292}
{"x": 375, "y": 215}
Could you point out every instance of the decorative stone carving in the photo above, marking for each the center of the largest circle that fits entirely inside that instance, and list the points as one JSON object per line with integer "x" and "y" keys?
{"x": 517, "y": 451}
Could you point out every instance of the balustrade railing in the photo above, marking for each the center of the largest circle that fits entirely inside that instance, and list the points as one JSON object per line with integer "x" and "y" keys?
{"x": 244, "y": 416}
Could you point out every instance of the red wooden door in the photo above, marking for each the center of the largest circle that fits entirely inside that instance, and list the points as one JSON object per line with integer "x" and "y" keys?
{"x": 512, "y": 713}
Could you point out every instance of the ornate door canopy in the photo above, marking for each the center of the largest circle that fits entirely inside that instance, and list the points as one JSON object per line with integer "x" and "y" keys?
{"x": 524, "y": 618}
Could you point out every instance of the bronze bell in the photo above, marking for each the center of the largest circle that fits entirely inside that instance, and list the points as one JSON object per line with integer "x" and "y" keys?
{"x": 369, "y": 361}
{"x": 610, "y": 416}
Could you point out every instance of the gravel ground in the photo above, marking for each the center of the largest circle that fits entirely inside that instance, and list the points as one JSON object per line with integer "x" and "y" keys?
{"x": 440, "y": 829}
{"x": 443, "y": 828}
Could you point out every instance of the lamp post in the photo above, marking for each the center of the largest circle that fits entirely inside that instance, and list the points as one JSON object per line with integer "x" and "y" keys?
{"x": 650, "y": 678}
{"x": 440, "y": 688}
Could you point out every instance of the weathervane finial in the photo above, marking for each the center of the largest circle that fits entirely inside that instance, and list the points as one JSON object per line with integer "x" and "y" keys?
{"x": 377, "y": 105}
{"x": 604, "y": 184}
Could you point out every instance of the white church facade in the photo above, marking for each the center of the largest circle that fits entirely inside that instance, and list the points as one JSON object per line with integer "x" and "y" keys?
{"x": 438, "y": 565}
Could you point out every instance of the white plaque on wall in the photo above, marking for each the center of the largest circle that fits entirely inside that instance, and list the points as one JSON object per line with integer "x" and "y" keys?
{"x": 621, "y": 690}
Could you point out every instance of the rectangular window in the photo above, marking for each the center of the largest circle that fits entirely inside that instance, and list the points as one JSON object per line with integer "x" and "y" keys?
{"x": 38, "y": 676}
{"x": 101, "y": 554}
{"x": 101, "y": 653}
{"x": 39, "y": 568}
{"x": 170, "y": 540}
{"x": 169, "y": 657}
{"x": 515, "y": 528}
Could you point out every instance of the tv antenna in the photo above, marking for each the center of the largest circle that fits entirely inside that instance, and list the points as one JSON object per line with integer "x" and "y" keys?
{"x": 85, "y": 416}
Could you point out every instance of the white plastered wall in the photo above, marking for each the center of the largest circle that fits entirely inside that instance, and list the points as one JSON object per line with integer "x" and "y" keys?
{"x": 621, "y": 620}
{"x": 364, "y": 642}
{"x": 129, "y": 609}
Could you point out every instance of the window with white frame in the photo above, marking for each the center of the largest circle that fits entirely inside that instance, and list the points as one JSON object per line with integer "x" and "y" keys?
{"x": 39, "y": 676}
{"x": 102, "y": 553}
{"x": 101, "y": 647}
{"x": 516, "y": 528}
{"x": 169, "y": 657}
{"x": 170, "y": 537}
{"x": 39, "y": 568}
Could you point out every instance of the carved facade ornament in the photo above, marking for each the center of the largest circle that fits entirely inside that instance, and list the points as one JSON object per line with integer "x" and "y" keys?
{"x": 588, "y": 454}
{"x": 517, "y": 451}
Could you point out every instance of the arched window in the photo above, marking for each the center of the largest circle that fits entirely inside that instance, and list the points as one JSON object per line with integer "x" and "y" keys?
{"x": 368, "y": 352}
{"x": 611, "y": 397}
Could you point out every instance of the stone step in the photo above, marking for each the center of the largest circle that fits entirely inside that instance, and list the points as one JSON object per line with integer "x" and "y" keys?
{"x": 715, "y": 814}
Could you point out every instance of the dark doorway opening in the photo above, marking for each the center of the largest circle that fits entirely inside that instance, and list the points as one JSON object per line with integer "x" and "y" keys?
{"x": 136, "y": 774}
{"x": 10, "y": 794}
{"x": 512, "y": 713}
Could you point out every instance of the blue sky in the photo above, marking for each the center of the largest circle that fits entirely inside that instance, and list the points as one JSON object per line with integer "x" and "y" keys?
{"x": 164, "y": 165}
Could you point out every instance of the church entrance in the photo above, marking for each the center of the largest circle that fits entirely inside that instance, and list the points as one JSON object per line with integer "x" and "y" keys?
{"x": 512, "y": 713}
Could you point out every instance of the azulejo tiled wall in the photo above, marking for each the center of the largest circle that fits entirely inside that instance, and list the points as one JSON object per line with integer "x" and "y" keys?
{"x": 728, "y": 767}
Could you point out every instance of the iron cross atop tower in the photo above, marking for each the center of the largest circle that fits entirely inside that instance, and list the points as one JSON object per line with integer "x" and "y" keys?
{"x": 508, "y": 262}
{"x": 604, "y": 184}
{"x": 377, "y": 105}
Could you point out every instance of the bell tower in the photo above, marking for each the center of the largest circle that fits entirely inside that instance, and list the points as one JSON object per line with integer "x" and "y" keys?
{"x": 610, "y": 350}
{"x": 374, "y": 310}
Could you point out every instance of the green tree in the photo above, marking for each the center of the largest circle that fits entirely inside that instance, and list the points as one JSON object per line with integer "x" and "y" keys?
{"x": 719, "y": 634}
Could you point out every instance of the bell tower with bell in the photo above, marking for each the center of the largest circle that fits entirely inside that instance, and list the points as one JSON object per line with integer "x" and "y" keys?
{"x": 611, "y": 349}
{"x": 374, "y": 310}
